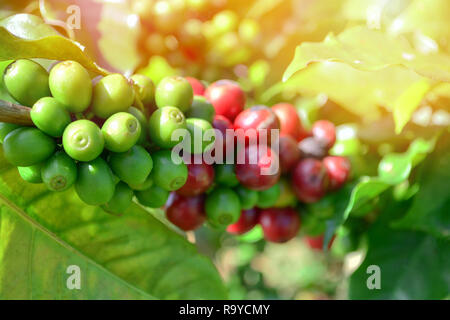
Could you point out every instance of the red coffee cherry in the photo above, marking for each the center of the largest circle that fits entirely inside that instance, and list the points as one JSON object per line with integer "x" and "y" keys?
{"x": 289, "y": 153}
{"x": 222, "y": 124}
{"x": 187, "y": 213}
{"x": 279, "y": 224}
{"x": 255, "y": 121}
{"x": 338, "y": 169}
{"x": 311, "y": 147}
{"x": 316, "y": 243}
{"x": 227, "y": 98}
{"x": 324, "y": 131}
{"x": 309, "y": 180}
{"x": 197, "y": 86}
{"x": 290, "y": 123}
{"x": 257, "y": 167}
{"x": 246, "y": 222}
{"x": 200, "y": 178}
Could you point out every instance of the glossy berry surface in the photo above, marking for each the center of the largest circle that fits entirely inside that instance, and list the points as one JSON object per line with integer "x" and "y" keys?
{"x": 95, "y": 183}
{"x": 201, "y": 134}
{"x": 247, "y": 197}
{"x": 225, "y": 175}
{"x": 290, "y": 123}
{"x": 257, "y": 168}
{"x": 311, "y": 147}
{"x": 140, "y": 116}
{"x": 121, "y": 131}
{"x": 279, "y": 225}
{"x": 222, "y": 124}
{"x": 121, "y": 200}
{"x": 112, "y": 94}
{"x": 256, "y": 124}
{"x": 27, "y": 146}
{"x": 227, "y": 98}
{"x": 202, "y": 109}
{"x": 26, "y": 81}
{"x": 247, "y": 220}
{"x": 145, "y": 90}
{"x": 222, "y": 207}
{"x": 83, "y": 140}
{"x": 59, "y": 172}
{"x": 338, "y": 169}
{"x": 50, "y": 116}
{"x": 289, "y": 153}
{"x": 71, "y": 86}
{"x": 175, "y": 92}
{"x": 133, "y": 166}
{"x": 31, "y": 174}
{"x": 269, "y": 197}
{"x": 153, "y": 197}
{"x": 6, "y": 128}
{"x": 200, "y": 179}
{"x": 197, "y": 86}
{"x": 316, "y": 242}
{"x": 162, "y": 125}
{"x": 187, "y": 213}
{"x": 169, "y": 173}
{"x": 324, "y": 131}
{"x": 309, "y": 180}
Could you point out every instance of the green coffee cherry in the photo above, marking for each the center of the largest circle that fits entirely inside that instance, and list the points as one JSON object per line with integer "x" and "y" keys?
{"x": 27, "y": 146}
{"x": 153, "y": 197}
{"x": 169, "y": 174}
{"x": 201, "y": 135}
{"x": 83, "y": 140}
{"x": 50, "y": 116}
{"x": 145, "y": 89}
{"x": 71, "y": 85}
{"x": 225, "y": 175}
{"x": 6, "y": 128}
{"x": 121, "y": 200}
{"x": 143, "y": 186}
{"x": 174, "y": 91}
{"x": 95, "y": 184}
{"x": 133, "y": 166}
{"x": 26, "y": 81}
{"x": 143, "y": 122}
{"x": 121, "y": 131}
{"x": 112, "y": 94}
{"x": 202, "y": 109}
{"x": 247, "y": 197}
{"x": 163, "y": 124}
{"x": 59, "y": 172}
{"x": 222, "y": 207}
{"x": 32, "y": 173}
{"x": 269, "y": 197}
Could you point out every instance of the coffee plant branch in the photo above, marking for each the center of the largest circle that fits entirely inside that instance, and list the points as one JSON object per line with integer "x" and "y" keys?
{"x": 14, "y": 113}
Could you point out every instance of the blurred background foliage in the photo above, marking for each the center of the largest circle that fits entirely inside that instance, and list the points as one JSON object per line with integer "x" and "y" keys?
{"x": 379, "y": 69}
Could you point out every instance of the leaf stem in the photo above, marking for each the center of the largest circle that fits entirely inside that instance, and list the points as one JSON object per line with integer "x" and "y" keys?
{"x": 15, "y": 113}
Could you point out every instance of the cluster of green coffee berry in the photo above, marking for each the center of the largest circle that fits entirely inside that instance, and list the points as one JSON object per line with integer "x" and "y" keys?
{"x": 94, "y": 134}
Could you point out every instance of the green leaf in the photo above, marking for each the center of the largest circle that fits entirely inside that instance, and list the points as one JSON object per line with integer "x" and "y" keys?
{"x": 412, "y": 265}
{"x": 134, "y": 247}
{"x": 431, "y": 206}
{"x": 26, "y": 36}
{"x": 370, "y": 50}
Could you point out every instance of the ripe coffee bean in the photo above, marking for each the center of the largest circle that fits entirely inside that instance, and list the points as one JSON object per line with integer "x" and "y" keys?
{"x": 153, "y": 197}
{"x": 187, "y": 213}
{"x": 32, "y": 173}
{"x": 174, "y": 92}
{"x": 254, "y": 122}
{"x": 290, "y": 123}
{"x": 279, "y": 225}
{"x": 289, "y": 153}
{"x": 312, "y": 148}
{"x": 338, "y": 169}
{"x": 227, "y": 98}
{"x": 325, "y": 132}
{"x": 26, "y": 81}
{"x": 59, "y": 172}
{"x": 27, "y": 146}
{"x": 222, "y": 124}
{"x": 50, "y": 116}
{"x": 222, "y": 207}
{"x": 121, "y": 131}
{"x": 112, "y": 94}
{"x": 200, "y": 179}
{"x": 247, "y": 220}
{"x": 83, "y": 140}
{"x": 252, "y": 161}
{"x": 121, "y": 200}
{"x": 309, "y": 180}
{"x": 197, "y": 86}
{"x": 71, "y": 86}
